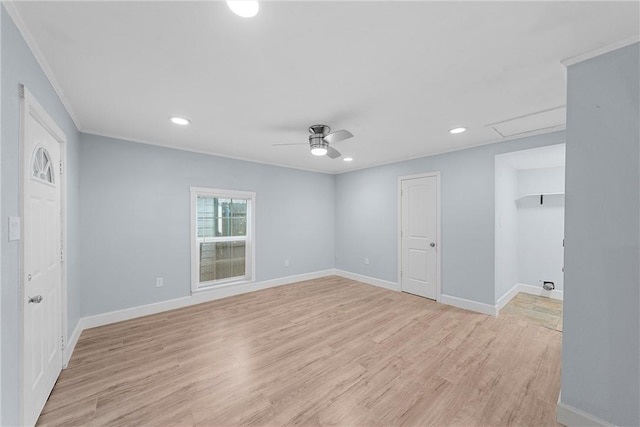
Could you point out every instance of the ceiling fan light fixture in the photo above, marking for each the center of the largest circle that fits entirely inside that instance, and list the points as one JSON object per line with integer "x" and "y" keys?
{"x": 318, "y": 151}
{"x": 457, "y": 130}
{"x": 244, "y": 8}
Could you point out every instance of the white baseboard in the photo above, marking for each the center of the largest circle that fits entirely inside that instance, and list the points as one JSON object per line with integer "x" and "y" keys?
{"x": 538, "y": 290}
{"x": 527, "y": 289}
{"x": 71, "y": 343}
{"x": 196, "y": 298}
{"x": 444, "y": 299}
{"x": 231, "y": 290}
{"x": 392, "y": 286}
{"x": 468, "y": 304}
{"x": 504, "y": 299}
{"x": 569, "y": 416}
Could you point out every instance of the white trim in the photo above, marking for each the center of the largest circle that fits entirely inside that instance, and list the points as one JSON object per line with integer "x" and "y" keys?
{"x": 392, "y": 286}
{"x": 237, "y": 289}
{"x": 223, "y": 192}
{"x": 197, "y": 298}
{"x": 198, "y": 151}
{"x": 468, "y": 304}
{"x": 453, "y": 150}
{"x": 11, "y": 8}
{"x": 599, "y": 51}
{"x": 435, "y": 174}
{"x": 538, "y": 290}
{"x": 569, "y": 416}
{"x": 205, "y": 296}
{"x": 351, "y": 169}
{"x": 30, "y": 106}
{"x": 354, "y": 168}
{"x": 527, "y": 289}
{"x": 71, "y": 344}
{"x": 508, "y": 296}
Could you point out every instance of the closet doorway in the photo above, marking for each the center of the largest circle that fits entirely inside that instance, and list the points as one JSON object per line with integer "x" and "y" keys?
{"x": 529, "y": 227}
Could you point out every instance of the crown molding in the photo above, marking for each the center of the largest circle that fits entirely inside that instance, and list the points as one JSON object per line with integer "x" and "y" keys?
{"x": 599, "y": 51}
{"x": 12, "y": 10}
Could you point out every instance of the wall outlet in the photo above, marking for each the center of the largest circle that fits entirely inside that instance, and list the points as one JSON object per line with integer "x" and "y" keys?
{"x": 366, "y": 261}
{"x": 159, "y": 282}
{"x": 286, "y": 263}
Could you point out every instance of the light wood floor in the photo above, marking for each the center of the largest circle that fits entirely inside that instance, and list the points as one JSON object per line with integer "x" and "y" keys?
{"x": 329, "y": 351}
{"x": 539, "y": 310}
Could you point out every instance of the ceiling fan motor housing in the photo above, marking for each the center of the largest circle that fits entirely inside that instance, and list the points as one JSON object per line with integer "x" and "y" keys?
{"x": 321, "y": 130}
{"x": 316, "y": 139}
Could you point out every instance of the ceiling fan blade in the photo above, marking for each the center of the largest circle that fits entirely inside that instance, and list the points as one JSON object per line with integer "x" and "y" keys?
{"x": 339, "y": 135}
{"x": 333, "y": 153}
{"x": 293, "y": 143}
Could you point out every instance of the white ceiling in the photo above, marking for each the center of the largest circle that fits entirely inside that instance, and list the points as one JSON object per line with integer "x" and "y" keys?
{"x": 396, "y": 74}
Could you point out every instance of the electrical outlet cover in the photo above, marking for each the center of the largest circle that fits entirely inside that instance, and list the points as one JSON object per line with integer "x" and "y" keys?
{"x": 14, "y": 228}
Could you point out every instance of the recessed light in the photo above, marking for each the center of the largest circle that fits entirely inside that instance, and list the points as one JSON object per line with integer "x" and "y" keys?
{"x": 457, "y": 130}
{"x": 348, "y": 159}
{"x": 179, "y": 121}
{"x": 244, "y": 8}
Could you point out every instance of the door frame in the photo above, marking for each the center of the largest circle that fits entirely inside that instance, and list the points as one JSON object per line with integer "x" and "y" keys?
{"x": 30, "y": 106}
{"x": 435, "y": 174}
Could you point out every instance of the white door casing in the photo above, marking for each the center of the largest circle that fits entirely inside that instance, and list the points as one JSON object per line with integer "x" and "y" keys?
{"x": 420, "y": 235}
{"x": 42, "y": 257}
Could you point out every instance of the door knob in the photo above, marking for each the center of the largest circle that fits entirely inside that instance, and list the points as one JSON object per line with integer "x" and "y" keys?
{"x": 433, "y": 245}
{"x": 37, "y": 299}
{"x": 29, "y": 278}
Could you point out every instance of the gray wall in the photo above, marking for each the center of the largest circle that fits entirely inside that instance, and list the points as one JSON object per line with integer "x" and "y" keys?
{"x": 135, "y": 204}
{"x": 19, "y": 66}
{"x": 601, "y": 345}
{"x": 367, "y": 223}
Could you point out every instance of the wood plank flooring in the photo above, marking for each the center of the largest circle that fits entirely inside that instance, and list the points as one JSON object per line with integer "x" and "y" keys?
{"x": 539, "y": 310}
{"x": 329, "y": 351}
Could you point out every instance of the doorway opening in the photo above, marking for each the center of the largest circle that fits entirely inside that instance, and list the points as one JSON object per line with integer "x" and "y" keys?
{"x": 529, "y": 234}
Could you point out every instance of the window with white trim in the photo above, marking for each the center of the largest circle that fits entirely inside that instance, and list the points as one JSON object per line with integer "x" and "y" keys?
{"x": 221, "y": 237}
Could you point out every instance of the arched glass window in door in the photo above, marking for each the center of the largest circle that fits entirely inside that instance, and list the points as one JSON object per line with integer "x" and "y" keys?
{"x": 41, "y": 165}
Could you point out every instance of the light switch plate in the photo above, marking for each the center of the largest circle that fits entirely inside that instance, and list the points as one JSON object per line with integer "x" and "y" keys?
{"x": 14, "y": 228}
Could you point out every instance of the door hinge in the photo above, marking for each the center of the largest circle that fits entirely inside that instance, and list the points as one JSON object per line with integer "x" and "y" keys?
{"x": 61, "y": 167}
{"x": 61, "y": 254}
{"x": 62, "y": 342}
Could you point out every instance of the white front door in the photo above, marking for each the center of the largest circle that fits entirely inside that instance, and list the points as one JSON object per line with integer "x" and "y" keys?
{"x": 42, "y": 246}
{"x": 419, "y": 236}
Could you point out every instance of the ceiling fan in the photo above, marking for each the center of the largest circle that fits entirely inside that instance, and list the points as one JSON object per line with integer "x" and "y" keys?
{"x": 320, "y": 138}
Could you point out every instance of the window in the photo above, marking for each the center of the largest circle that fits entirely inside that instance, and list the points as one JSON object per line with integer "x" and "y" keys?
{"x": 41, "y": 167}
{"x": 221, "y": 237}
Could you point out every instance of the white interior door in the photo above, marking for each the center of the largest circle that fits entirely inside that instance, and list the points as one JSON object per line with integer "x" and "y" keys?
{"x": 419, "y": 236}
{"x": 42, "y": 293}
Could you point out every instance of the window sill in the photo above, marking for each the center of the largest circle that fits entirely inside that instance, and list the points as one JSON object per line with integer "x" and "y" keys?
{"x": 222, "y": 285}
